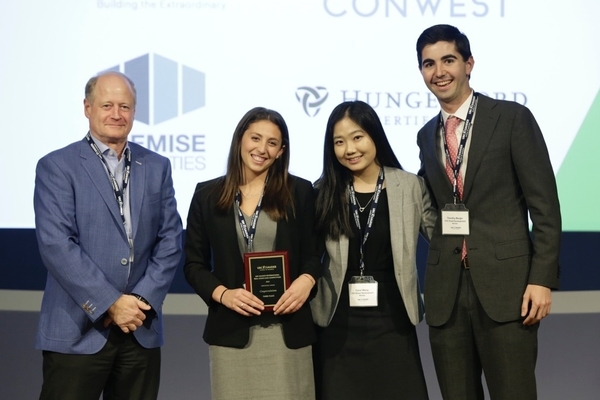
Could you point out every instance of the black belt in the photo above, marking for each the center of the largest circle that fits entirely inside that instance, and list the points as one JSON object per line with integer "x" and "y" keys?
{"x": 465, "y": 263}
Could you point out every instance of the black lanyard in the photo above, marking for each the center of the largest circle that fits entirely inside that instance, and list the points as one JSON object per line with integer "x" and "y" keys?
{"x": 249, "y": 233}
{"x": 119, "y": 193}
{"x": 354, "y": 205}
{"x": 461, "y": 147}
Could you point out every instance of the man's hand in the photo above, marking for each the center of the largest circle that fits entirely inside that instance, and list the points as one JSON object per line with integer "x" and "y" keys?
{"x": 536, "y": 304}
{"x": 127, "y": 312}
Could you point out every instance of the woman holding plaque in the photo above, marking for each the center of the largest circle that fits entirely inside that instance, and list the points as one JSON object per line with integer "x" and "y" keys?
{"x": 252, "y": 256}
{"x": 368, "y": 300}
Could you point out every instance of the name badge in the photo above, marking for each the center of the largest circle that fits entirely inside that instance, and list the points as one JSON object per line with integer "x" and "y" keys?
{"x": 455, "y": 220}
{"x": 363, "y": 291}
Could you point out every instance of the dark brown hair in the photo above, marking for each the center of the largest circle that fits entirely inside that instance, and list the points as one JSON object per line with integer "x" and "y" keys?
{"x": 278, "y": 193}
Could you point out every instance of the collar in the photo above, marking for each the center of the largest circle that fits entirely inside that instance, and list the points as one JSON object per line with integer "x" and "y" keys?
{"x": 105, "y": 150}
{"x": 462, "y": 110}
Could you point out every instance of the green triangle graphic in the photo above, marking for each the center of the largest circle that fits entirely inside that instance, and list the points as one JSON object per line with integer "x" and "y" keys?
{"x": 578, "y": 179}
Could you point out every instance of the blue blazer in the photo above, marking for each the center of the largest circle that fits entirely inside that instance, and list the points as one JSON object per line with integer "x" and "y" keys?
{"x": 84, "y": 245}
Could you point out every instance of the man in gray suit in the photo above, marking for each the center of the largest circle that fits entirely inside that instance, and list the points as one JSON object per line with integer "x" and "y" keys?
{"x": 110, "y": 237}
{"x": 488, "y": 282}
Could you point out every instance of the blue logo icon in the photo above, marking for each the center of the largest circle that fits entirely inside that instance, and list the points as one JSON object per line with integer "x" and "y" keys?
{"x": 311, "y": 98}
{"x": 172, "y": 90}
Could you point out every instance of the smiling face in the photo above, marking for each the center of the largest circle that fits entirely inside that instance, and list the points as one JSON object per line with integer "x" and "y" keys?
{"x": 110, "y": 110}
{"x": 446, "y": 74}
{"x": 261, "y": 145}
{"x": 354, "y": 148}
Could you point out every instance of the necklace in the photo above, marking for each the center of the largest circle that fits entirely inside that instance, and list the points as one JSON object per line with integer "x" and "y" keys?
{"x": 361, "y": 209}
{"x": 248, "y": 194}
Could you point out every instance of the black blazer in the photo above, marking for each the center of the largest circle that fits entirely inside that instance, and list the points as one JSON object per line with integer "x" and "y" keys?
{"x": 213, "y": 258}
{"x": 509, "y": 176}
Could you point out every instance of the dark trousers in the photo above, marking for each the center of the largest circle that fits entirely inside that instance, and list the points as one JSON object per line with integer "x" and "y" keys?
{"x": 121, "y": 370}
{"x": 471, "y": 342}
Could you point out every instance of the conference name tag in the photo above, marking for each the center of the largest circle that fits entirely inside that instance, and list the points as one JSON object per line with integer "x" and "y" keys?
{"x": 363, "y": 291}
{"x": 455, "y": 220}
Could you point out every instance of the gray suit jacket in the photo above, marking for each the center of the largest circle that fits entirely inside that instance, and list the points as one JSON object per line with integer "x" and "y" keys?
{"x": 509, "y": 177}
{"x": 410, "y": 213}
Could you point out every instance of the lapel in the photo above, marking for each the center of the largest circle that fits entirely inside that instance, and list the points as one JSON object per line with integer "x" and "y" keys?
{"x": 436, "y": 172}
{"x": 137, "y": 184}
{"x": 97, "y": 173}
{"x": 432, "y": 148}
{"x": 395, "y": 198}
{"x": 338, "y": 263}
{"x": 225, "y": 227}
{"x": 342, "y": 252}
{"x": 486, "y": 118}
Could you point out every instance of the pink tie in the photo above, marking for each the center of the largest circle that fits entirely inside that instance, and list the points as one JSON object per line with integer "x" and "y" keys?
{"x": 452, "y": 143}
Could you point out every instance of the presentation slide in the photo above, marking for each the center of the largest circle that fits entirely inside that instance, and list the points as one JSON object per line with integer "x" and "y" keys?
{"x": 200, "y": 65}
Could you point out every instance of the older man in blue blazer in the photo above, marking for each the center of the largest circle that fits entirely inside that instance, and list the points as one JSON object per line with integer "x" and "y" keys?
{"x": 110, "y": 237}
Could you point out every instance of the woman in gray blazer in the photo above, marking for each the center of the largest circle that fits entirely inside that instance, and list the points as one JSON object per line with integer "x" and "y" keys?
{"x": 368, "y": 302}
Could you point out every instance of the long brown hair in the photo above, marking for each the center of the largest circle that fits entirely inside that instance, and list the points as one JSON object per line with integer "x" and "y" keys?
{"x": 278, "y": 193}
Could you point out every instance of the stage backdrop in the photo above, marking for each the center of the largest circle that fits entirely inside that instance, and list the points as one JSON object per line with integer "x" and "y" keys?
{"x": 200, "y": 65}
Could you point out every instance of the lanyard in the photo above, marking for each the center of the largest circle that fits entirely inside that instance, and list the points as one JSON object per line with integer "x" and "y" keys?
{"x": 249, "y": 233}
{"x": 461, "y": 146}
{"x": 354, "y": 205}
{"x": 119, "y": 193}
